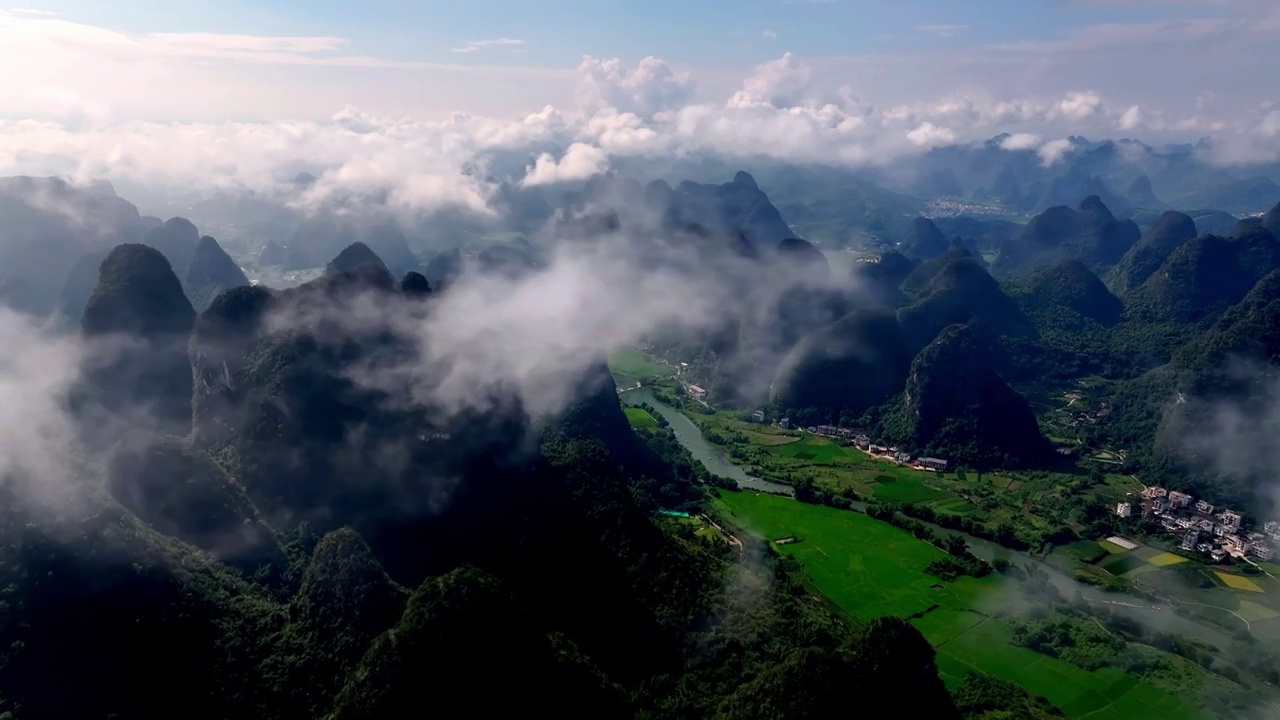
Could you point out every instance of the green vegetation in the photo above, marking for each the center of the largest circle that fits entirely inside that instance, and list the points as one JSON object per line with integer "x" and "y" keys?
{"x": 870, "y": 568}
{"x": 640, "y": 418}
{"x": 633, "y": 363}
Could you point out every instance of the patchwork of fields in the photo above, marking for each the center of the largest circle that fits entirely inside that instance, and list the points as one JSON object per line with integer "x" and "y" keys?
{"x": 1222, "y": 593}
{"x": 870, "y": 568}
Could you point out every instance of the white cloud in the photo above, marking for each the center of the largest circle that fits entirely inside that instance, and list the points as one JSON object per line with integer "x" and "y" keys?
{"x": 785, "y": 108}
{"x": 475, "y": 45}
{"x": 769, "y": 34}
{"x": 783, "y": 82}
{"x": 653, "y": 86}
{"x": 930, "y": 135}
{"x": 1077, "y": 106}
{"x": 579, "y": 162}
{"x": 1131, "y": 119}
{"x": 1054, "y": 150}
{"x": 1021, "y": 141}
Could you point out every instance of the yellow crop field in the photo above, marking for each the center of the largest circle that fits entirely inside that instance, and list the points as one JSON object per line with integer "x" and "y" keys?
{"x": 1237, "y": 582}
{"x": 1167, "y": 559}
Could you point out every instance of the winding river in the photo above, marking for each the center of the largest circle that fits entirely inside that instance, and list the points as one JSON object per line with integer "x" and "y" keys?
{"x": 690, "y": 436}
{"x": 1160, "y": 617}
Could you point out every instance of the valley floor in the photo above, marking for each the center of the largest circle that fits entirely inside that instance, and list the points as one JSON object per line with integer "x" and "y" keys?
{"x": 870, "y": 568}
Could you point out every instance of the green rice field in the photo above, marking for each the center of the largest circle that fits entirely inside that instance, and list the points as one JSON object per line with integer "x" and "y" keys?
{"x": 633, "y": 363}
{"x": 640, "y": 418}
{"x": 870, "y": 568}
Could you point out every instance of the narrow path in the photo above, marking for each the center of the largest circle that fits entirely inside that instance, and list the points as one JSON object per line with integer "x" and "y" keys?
{"x": 1216, "y": 607}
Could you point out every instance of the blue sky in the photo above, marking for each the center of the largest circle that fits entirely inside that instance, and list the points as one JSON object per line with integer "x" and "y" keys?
{"x": 706, "y": 33}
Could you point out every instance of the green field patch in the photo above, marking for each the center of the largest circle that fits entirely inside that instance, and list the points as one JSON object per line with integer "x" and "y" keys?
{"x": 633, "y": 363}
{"x": 1145, "y": 552}
{"x": 944, "y": 624}
{"x": 1166, "y": 559}
{"x": 1086, "y": 551}
{"x": 908, "y": 490}
{"x": 1272, "y": 568}
{"x": 955, "y": 506}
{"x": 1079, "y": 693}
{"x": 814, "y": 449}
{"x": 1111, "y": 547}
{"x": 868, "y": 567}
{"x": 639, "y": 418}
{"x": 1122, "y": 563}
{"x": 1254, "y": 612}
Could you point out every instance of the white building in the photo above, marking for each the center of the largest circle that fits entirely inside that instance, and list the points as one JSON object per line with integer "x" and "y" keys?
{"x": 1204, "y": 508}
{"x": 1262, "y": 552}
{"x": 1231, "y": 520}
{"x": 1272, "y": 529}
{"x": 757, "y": 416}
{"x": 1179, "y": 499}
{"x": 1124, "y": 510}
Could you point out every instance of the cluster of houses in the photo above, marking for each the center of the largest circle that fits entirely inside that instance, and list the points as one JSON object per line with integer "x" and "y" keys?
{"x": 862, "y": 441}
{"x": 1217, "y": 534}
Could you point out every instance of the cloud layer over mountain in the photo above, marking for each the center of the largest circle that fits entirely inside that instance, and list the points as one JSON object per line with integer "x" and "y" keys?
{"x": 800, "y": 110}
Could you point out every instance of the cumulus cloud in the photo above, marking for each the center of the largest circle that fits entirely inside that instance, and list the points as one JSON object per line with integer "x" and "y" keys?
{"x": 784, "y": 82}
{"x": 649, "y": 88}
{"x": 579, "y": 162}
{"x": 783, "y": 108}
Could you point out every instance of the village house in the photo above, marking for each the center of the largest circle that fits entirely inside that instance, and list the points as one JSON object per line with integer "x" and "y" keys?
{"x": 1272, "y": 529}
{"x": 877, "y": 449}
{"x": 1124, "y": 509}
{"x": 1189, "y": 540}
{"x": 785, "y": 423}
{"x": 1231, "y": 519}
{"x": 1169, "y": 523}
{"x": 862, "y": 441}
{"x": 1205, "y": 525}
{"x": 1160, "y": 505}
{"x": 1179, "y": 499}
{"x": 696, "y": 392}
{"x": 1185, "y": 523}
{"x": 1204, "y": 508}
{"x": 903, "y": 457}
{"x": 1218, "y": 555}
{"x": 934, "y": 464}
{"x": 1263, "y": 551}
{"x": 1236, "y": 545}
{"x": 757, "y": 416}
{"x": 1154, "y": 492}
{"x": 1221, "y": 530}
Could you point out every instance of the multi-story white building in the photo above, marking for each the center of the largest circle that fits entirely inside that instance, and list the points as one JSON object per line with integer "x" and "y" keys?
{"x": 1124, "y": 510}
{"x": 1179, "y": 499}
{"x": 1231, "y": 520}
